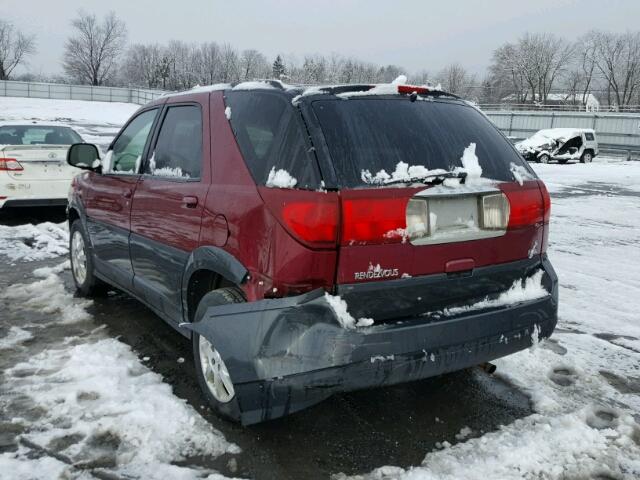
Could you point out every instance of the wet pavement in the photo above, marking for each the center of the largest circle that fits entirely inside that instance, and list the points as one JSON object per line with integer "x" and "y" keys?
{"x": 350, "y": 433}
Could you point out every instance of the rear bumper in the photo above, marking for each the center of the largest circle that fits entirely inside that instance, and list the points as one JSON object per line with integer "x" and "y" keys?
{"x": 285, "y": 355}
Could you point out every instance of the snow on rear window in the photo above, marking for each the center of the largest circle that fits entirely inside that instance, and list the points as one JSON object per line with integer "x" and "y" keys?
{"x": 386, "y": 135}
{"x": 280, "y": 179}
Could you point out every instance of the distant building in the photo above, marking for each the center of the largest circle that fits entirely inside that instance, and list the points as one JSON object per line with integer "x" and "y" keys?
{"x": 590, "y": 104}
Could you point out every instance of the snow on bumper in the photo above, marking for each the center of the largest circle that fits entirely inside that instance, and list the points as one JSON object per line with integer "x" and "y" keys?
{"x": 288, "y": 354}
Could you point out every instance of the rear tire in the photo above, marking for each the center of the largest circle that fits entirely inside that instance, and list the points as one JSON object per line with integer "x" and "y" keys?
{"x": 544, "y": 158}
{"x": 81, "y": 258}
{"x": 587, "y": 157}
{"x": 211, "y": 371}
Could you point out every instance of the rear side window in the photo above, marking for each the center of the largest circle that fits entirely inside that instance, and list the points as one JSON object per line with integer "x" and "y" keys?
{"x": 377, "y": 133}
{"x": 178, "y": 150}
{"x": 127, "y": 150}
{"x": 588, "y": 136}
{"x": 272, "y": 136}
{"x": 37, "y": 135}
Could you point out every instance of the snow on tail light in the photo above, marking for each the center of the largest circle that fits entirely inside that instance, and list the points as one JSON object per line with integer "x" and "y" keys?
{"x": 10, "y": 165}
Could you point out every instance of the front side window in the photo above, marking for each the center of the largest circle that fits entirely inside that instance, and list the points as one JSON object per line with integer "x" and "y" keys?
{"x": 589, "y": 136}
{"x": 178, "y": 150}
{"x": 127, "y": 150}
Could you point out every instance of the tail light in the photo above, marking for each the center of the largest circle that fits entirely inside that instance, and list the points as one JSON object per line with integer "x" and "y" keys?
{"x": 526, "y": 204}
{"x": 377, "y": 220}
{"x": 10, "y": 165}
{"x": 312, "y": 222}
{"x": 310, "y": 217}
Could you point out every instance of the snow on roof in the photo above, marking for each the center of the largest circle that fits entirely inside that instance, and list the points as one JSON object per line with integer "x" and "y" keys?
{"x": 257, "y": 85}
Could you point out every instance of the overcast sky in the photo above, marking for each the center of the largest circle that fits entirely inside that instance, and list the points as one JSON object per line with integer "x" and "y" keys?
{"x": 413, "y": 34}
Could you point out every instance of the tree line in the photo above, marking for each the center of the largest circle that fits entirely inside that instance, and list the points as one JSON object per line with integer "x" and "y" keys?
{"x": 527, "y": 70}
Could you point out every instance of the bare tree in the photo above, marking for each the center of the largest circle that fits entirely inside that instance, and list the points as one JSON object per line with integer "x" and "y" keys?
{"x": 92, "y": 52}
{"x": 617, "y": 57}
{"x": 454, "y": 78}
{"x": 587, "y": 48}
{"x": 253, "y": 65}
{"x": 15, "y": 46}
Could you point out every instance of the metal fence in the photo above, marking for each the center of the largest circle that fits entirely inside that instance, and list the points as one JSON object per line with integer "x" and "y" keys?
{"x": 77, "y": 92}
{"x": 615, "y": 131}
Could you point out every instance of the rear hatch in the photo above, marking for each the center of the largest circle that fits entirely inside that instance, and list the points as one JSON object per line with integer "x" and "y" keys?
{"x": 38, "y": 162}
{"x": 427, "y": 187}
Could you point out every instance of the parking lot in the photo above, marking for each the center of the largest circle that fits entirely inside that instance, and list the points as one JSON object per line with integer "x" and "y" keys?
{"x": 105, "y": 389}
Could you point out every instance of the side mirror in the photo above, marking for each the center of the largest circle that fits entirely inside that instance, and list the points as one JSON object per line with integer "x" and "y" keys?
{"x": 84, "y": 156}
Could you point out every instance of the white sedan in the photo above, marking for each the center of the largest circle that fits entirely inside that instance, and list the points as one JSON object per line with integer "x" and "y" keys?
{"x": 33, "y": 163}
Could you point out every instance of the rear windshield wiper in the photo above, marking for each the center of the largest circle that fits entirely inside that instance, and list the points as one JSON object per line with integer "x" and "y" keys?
{"x": 434, "y": 179}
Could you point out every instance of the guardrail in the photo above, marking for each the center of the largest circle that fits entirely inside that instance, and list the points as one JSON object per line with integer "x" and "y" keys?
{"x": 139, "y": 96}
{"x": 615, "y": 131}
{"x": 509, "y": 107}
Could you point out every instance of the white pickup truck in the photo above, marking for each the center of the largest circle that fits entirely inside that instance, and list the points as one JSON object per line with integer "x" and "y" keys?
{"x": 33, "y": 163}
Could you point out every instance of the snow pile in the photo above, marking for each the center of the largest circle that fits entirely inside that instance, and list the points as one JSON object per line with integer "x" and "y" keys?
{"x": 317, "y": 90}
{"x": 48, "y": 296}
{"x": 521, "y": 291}
{"x": 520, "y": 173}
{"x": 380, "y": 89}
{"x": 340, "y": 308}
{"x": 258, "y": 85}
{"x": 112, "y": 410}
{"x": 170, "y": 172}
{"x": 280, "y": 179}
{"x": 536, "y": 447}
{"x": 14, "y": 336}
{"x": 403, "y": 172}
{"x": 227, "y": 113}
{"x": 97, "y": 113}
{"x": 415, "y": 173}
{"x": 470, "y": 166}
{"x": 34, "y": 242}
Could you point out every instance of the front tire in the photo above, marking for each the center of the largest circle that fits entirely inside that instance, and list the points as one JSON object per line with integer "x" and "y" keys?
{"x": 81, "y": 258}
{"x": 544, "y": 158}
{"x": 211, "y": 371}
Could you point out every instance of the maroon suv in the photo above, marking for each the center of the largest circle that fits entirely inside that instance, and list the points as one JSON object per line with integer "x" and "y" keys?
{"x": 320, "y": 240}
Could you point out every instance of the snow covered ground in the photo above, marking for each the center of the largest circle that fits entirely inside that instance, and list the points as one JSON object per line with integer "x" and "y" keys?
{"x": 96, "y": 122}
{"x": 585, "y": 382}
{"x": 85, "y": 404}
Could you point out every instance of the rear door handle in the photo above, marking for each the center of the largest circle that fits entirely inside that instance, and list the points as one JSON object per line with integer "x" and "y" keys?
{"x": 190, "y": 202}
{"x": 128, "y": 193}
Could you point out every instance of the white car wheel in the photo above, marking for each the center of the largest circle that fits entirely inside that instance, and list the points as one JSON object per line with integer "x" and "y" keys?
{"x": 78, "y": 258}
{"x": 215, "y": 373}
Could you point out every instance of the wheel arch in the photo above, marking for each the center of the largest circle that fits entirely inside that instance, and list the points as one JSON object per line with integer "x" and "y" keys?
{"x": 208, "y": 268}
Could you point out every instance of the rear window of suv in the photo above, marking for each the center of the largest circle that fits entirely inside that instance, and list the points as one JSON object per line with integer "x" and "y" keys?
{"x": 377, "y": 133}
{"x": 272, "y": 135}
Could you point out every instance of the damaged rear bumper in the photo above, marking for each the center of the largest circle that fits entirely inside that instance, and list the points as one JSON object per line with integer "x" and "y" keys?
{"x": 287, "y": 354}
